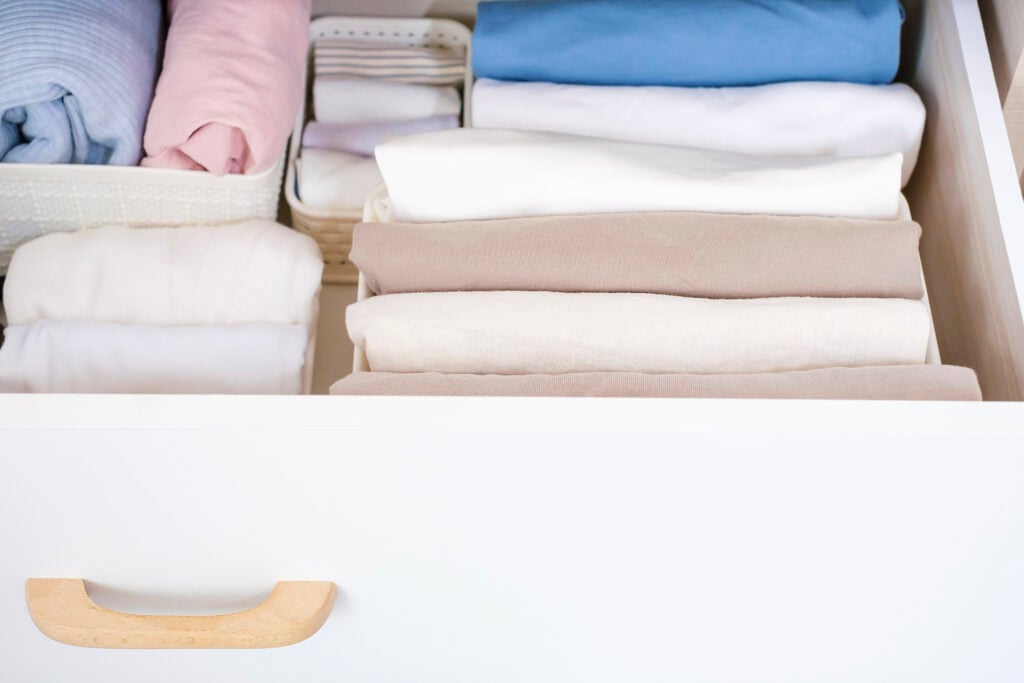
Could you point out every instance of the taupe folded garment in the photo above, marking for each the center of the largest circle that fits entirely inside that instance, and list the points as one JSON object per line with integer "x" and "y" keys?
{"x": 894, "y": 383}
{"x": 687, "y": 254}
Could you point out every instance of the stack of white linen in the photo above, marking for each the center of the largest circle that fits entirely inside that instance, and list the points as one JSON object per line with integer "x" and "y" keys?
{"x": 199, "y": 309}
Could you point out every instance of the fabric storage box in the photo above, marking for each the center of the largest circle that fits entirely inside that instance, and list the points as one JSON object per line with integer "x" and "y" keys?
{"x": 333, "y": 229}
{"x": 600, "y": 540}
{"x": 36, "y": 199}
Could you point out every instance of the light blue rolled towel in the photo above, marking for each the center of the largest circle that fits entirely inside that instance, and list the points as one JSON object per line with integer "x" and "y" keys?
{"x": 76, "y": 79}
{"x": 688, "y": 42}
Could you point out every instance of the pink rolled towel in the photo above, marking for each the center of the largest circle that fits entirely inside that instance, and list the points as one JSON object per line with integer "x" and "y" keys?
{"x": 231, "y": 85}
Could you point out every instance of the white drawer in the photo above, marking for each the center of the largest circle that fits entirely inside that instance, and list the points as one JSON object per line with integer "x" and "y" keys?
{"x": 628, "y": 541}
{"x": 554, "y": 540}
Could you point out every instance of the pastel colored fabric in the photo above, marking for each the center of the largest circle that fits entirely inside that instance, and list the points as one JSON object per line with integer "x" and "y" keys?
{"x": 508, "y": 174}
{"x": 76, "y": 79}
{"x": 65, "y": 356}
{"x": 363, "y": 138}
{"x": 231, "y": 85}
{"x": 689, "y": 254}
{"x": 892, "y": 383}
{"x": 518, "y": 333}
{"x": 693, "y": 43}
{"x": 817, "y": 119}
{"x": 250, "y": 272}
{"x": 335, "y": 180}
{"x": 355, "y": 100}
{"x": 398, "y": 63}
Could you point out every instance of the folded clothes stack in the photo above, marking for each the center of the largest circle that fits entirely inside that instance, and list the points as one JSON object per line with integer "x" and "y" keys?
{"x": 80, "y": 82}
{"x": 655, "y": 204}
{"x": 226, "y": 309}
{"x": 363, "y": 94}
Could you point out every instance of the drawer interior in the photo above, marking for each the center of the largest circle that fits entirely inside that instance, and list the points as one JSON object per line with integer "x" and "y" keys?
{"x": 958, "y": 194}
{"x": 963, "y": 193}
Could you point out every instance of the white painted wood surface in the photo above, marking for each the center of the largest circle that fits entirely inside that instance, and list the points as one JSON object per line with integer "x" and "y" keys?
{"x": 538, "y": 540}
{"x": 734, "y": 541}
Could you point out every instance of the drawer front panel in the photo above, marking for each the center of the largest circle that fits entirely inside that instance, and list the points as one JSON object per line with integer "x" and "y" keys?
{"x": 544, "y": 556}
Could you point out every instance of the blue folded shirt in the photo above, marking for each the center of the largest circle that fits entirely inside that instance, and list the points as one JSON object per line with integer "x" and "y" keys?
{"x": 701, "y": 43}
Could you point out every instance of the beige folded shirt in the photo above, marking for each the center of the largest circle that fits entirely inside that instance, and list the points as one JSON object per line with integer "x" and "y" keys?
{"x": 686, "y": 254}
{"x": 896, "y": 383}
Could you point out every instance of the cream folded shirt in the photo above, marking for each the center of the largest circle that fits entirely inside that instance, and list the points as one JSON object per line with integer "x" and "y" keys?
{"x": 255, "y": 271}
{"x": 511, "y": 333}
{"x": 361, "y": 100}
{"x": 470, "y": 174}
{"x": 67, "y": 356}
{"x": 335, "y": 180}
{"x": 809, "y": 118}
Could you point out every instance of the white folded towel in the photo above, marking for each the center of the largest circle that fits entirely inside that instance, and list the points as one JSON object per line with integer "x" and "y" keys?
{"x": 808, "y": 118}
{"x": 544, "y": 332}
{"x": 61, "y": 356}
{"x": 255, "y": 271}
{"x": 358, "y": 100}
{"x": 473, "y": 174}
{"x": 335, "y": 180}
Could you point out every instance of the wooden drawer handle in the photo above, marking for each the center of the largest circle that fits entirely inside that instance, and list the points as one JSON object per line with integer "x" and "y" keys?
{"x": 63, "y": 610}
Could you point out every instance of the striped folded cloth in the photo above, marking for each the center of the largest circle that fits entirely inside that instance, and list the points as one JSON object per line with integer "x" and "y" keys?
{"x": 397, "y": 63}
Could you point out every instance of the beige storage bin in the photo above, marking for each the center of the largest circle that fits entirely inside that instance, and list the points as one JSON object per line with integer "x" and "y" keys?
{"x": 332, "y": 229}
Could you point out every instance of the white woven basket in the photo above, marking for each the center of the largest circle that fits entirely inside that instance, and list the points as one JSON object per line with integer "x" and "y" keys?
{"x": 332, "y": 229}
{"x": 37, "y": 199}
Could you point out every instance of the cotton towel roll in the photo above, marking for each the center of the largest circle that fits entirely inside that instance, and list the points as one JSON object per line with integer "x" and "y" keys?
{"x": 76, "y": 79}
{"x": 691, "y": 43}
{"x": 892, "y": 383}
{"x": 508, "y": 174}
{"x": 353, "y": 100}
{"x": 512, "y": 333}
{"x": 689, "y": 254}
{"x": 62, "y": 356}
{"x": 816, "y": 119}
{"x": 363, "y": 138}
{"x": 335, "y": 180}
{"x": 231, "y": 85}
{"x": 251, "y": 272}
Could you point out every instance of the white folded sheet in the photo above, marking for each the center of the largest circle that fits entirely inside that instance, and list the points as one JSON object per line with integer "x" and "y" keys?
{"x": 784, "y": 119}
{"x": 256, "y": 271}
{"x": 335, "y": 180}
{"x": 474, "y": 174}
{"x": 543, "y": 332}
{"x": 357, "y": 100}
{"x": 63, "y": 356}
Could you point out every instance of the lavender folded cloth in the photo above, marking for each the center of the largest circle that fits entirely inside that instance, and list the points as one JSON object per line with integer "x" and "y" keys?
{"x": 362, "y": 138}
{"x": 892, "y": 383}
{"x": 689, "y": 254}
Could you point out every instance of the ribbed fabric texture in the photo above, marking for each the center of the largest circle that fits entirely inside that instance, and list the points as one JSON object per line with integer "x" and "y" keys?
{"x": 76, "y": 79}
{"x": 688, "y": 42}
{"x": 398, "y": 63}
{"x": 687, "y": 254}
{"x": 893, "y": 383}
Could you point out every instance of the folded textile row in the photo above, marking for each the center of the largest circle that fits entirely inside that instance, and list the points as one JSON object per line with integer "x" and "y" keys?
{"x": 645, "y": 208}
